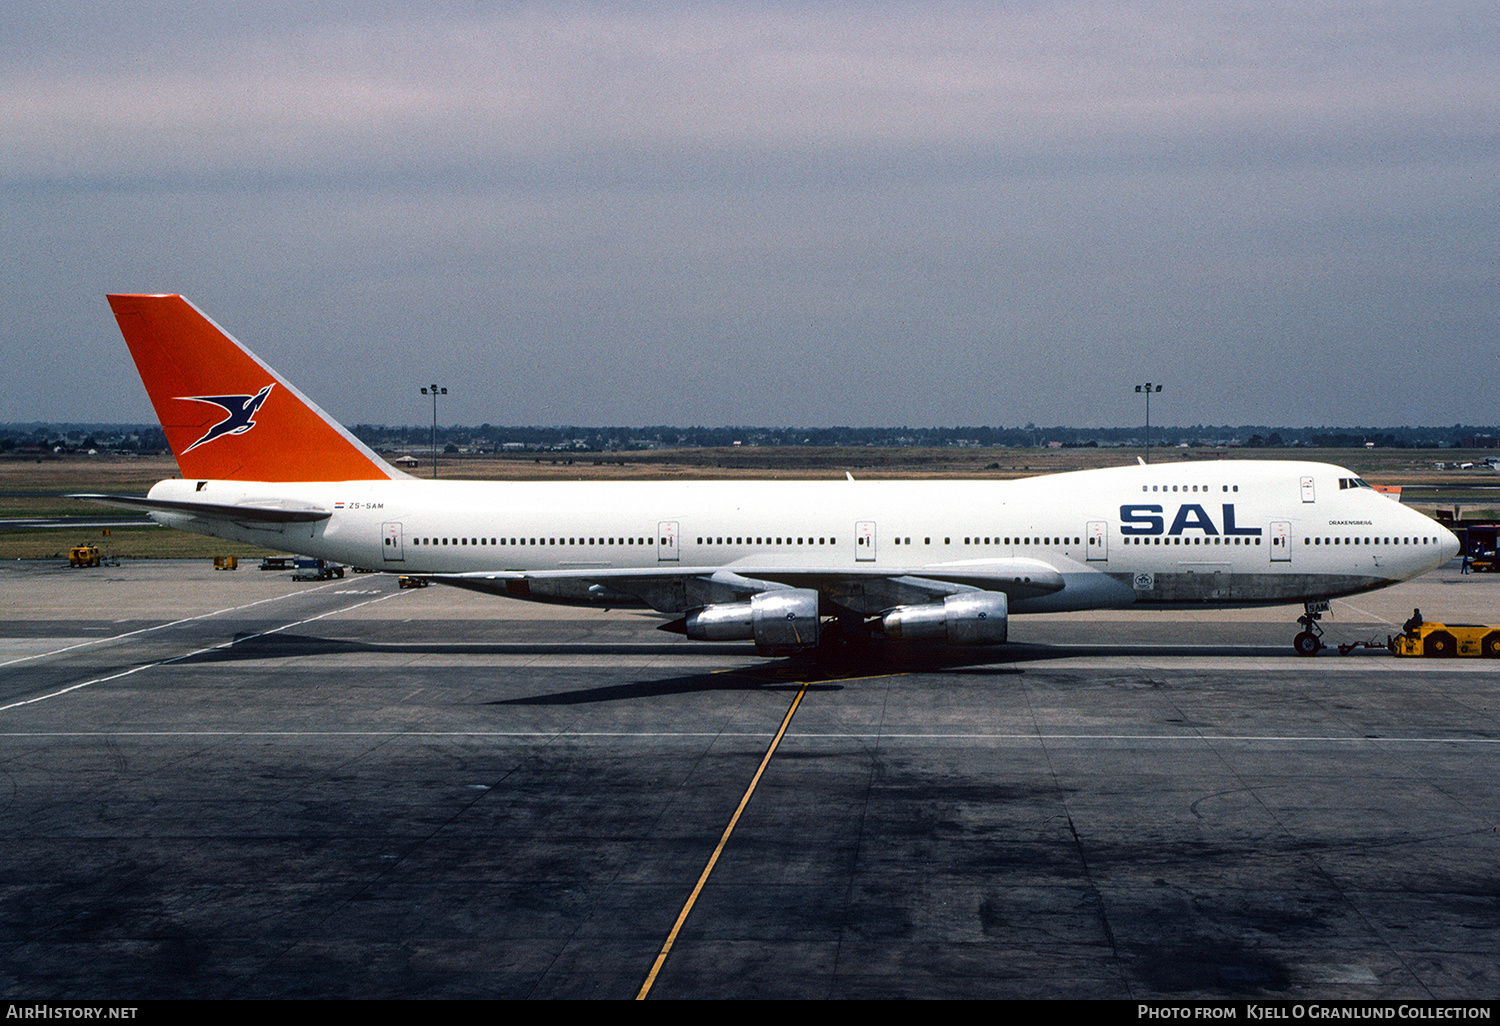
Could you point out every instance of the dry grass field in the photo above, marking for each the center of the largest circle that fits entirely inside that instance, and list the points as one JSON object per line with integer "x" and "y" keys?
{"x": 35, "y": 487}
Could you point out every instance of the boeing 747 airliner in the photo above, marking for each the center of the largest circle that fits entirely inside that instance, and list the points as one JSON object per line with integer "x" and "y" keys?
{"x": 782, "y": 564}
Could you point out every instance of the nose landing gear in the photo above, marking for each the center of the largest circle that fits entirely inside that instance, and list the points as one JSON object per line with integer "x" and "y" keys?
{"x": 1310, "y": 641}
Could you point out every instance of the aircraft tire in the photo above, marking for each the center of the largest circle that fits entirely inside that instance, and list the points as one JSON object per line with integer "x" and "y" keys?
{"x": 1306, "y": 644}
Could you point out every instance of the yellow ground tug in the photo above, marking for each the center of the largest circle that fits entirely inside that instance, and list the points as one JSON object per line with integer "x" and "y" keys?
{"x": 1424, "y": 638}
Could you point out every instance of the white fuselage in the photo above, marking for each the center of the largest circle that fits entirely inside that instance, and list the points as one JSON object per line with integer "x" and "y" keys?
{"x": 1229, "y": 532}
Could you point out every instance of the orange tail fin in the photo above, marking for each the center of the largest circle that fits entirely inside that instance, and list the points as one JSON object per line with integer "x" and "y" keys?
{"x": 227, "y": 416}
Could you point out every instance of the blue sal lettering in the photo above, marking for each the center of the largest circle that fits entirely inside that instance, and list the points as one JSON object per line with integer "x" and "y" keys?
{"x": 1137, "y": 519}
{"x": 1193, "y": 516}
{"x": 1229, "y": 526}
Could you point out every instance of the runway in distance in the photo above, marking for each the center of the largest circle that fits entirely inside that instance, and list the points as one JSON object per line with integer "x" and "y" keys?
{"x": 785, "y": 564}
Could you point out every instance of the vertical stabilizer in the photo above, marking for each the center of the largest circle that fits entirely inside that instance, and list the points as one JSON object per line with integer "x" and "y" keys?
{"x": 228, "y": 416}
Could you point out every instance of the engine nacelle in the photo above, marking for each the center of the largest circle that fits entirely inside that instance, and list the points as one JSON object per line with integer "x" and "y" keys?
{"x": 782, "y": 620}
{"x": 968, "y": 618}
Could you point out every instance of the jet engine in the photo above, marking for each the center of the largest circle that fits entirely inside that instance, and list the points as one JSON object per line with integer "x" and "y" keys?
{"x": 780, "y": 621}
{"x": 968, "y": 618}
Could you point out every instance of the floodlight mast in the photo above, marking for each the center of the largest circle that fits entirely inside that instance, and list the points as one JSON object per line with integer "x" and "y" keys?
{"x": 435, "y": 392}
{"x": 1148, "y": 388}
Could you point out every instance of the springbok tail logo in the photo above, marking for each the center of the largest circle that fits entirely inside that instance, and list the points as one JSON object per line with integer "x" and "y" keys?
{"x": 241, "y": 410}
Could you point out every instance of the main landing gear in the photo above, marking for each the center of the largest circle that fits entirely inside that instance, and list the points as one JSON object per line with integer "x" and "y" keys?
{"x": 1310, "y": 641}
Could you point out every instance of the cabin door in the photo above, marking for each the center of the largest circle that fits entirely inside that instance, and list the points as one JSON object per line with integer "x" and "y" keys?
{"x": 666, "y": 541}
{"x": 1098, "y": 547}
{"x": 1281, "y": 541}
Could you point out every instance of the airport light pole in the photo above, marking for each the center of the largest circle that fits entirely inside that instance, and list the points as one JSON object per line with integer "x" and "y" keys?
{"x": 435, "y": 392}
{"x": 1148, "y": 388}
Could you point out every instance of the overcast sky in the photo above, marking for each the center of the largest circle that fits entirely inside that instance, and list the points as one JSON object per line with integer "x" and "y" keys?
{"x": 776, "y": 214}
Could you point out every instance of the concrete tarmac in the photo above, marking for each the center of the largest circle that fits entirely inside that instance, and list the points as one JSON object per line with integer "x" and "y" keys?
{"x": 231, "y": 785}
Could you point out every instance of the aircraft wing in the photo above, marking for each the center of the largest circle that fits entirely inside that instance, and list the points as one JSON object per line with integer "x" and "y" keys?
{"x": 675, "y": 589}
{"x": 261, "y": 512}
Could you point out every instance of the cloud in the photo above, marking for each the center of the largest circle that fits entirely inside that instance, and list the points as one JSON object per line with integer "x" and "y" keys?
{"x": 604, "y": 87}
{"x": 809, "y": 213}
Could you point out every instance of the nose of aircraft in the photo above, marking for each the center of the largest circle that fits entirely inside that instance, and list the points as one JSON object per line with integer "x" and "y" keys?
{"x": 1449, "y": 542}
{"x": 1430, "y": 556}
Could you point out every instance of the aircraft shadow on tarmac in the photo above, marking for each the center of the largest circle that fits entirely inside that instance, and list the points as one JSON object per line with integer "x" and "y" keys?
{"x": 874, "y": 658}
{"x": 821, "y": 670}
{"x": 293, "y": 646}
{"x": 693, "y": 683}
{"x": 877, "y": 657}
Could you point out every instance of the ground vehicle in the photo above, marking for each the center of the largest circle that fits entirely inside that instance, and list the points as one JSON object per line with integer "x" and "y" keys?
{"x": 1478, "y": 540}
{"x": 83, "y": 555}
{"x": 1481, "y": 546}
{"x": 1450, "y": 639}
{"x": 305, "y": 568}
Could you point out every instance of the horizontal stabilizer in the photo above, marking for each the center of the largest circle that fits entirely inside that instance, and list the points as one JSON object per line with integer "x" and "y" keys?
{"x": 265, "y": 514}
